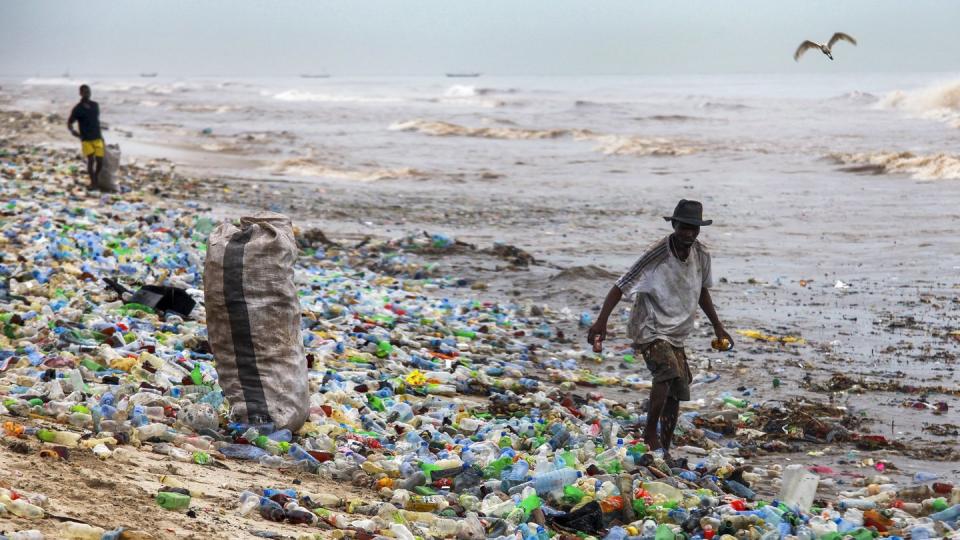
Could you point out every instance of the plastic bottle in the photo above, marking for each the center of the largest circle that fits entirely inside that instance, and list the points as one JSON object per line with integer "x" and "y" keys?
{"x": 740, "y": 490}
{"x": 799, "y": 487}
{"x": 63, "y": 438}
{"x": 923, "y": 477}
{"x": 249, "y": 501}
{"x": 23, "y": 508}
{"x": 860, "y": 504}
{"x": 664, "y": 532}
{"x": 173, "y": 501}
{"x": 31, "y": 534}
{"x": 616, "y": 533}
{"x": 71, "y": 530}
{"x": 271, "y": 510}
{"x": 950, "y": 514}
{"x": 555, "y": 480}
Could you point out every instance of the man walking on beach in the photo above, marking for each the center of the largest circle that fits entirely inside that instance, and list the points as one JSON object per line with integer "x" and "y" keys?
{"x": 87, "y": 116}
{"x": 669, "y": 281}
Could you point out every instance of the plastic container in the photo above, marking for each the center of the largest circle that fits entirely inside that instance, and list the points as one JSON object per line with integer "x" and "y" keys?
{"x": 799, "y": 487}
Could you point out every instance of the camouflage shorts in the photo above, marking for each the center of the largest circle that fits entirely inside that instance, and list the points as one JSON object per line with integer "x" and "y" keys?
{"x": 668, "y": 364}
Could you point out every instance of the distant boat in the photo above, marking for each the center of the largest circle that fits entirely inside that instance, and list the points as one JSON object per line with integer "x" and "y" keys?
{"x": 315, "y": 75}
{"x": 463, "y": 74}
{"x": 154, "y": 74}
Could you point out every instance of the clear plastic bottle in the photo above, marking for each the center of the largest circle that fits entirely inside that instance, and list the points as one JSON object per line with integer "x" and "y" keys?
{"x": 554, "y": 480}
{"x": 24, "y": 509}
{"x": 71, "y": 530}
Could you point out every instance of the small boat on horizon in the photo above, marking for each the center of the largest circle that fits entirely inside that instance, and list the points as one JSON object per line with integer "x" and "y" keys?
{"x": 463, "y": 74}
{"x": 149, "y": 75}
{"x": 315, "y": 75}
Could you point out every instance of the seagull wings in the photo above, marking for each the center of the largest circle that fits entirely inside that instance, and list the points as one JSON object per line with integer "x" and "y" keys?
{"x": 803, "y": 48}
{"x": 838, "y": 37}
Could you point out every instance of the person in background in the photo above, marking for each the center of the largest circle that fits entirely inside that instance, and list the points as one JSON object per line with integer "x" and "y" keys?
{"x": 87, "y": 116}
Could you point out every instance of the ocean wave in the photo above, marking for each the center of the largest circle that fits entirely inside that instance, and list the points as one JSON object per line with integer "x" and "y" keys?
{"x": 302, "y": 95}
{"x": 51, "y": 81}
{"x": 630, "y": 145}
{"x": 939, "y": 102}
{"x": 723, "y": 106}
{"x": 621, "y": 145}
{"x": 438, "y": 128}
{"x": 469, "y": 90}
{"x": 856, "y": 96}
{"x": 306, "y": 166}
{"x": 673, "y": 118}
{"x": 200, "y": 108}
{"x": 939, "y": 166}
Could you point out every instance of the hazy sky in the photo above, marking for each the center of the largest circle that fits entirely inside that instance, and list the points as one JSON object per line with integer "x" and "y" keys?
{"x": 509, "y": 37}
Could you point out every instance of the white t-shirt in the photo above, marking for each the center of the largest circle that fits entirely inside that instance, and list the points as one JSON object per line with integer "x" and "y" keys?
{"x": 667, "y": 293}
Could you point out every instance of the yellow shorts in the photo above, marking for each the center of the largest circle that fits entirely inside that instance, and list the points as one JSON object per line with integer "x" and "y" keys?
{"x": 94, "y": 147}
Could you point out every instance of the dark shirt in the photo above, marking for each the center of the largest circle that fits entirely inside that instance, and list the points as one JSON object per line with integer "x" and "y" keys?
{"x": 87, "y": 115}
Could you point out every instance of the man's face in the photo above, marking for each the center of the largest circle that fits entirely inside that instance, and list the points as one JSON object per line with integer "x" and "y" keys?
{"x": 85, "y": 92}
{"x": 685, "y": 234}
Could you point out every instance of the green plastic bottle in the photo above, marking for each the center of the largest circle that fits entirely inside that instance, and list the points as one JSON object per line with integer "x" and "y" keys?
{"x": 572, "y": 495}
{"x": 496, "y": 467}
{"x": 384, "y": 348}
{"x": 528, "y": 505}
{"x": 173, "y": 501}
{"x": 861, "y": 534}
{"x": 374, "y": 402}
{"x": 738, "y": 403}
{"x": 664, "y": 532}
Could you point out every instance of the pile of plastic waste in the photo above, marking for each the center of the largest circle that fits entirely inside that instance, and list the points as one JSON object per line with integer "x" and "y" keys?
{"x": 443, "y": 408}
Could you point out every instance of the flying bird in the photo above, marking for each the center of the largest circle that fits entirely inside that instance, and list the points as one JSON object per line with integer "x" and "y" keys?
{"x": 825, "y": 48}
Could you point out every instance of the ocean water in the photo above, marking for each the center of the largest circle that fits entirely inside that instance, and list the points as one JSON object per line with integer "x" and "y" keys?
{"x": 574, "y": 157}
{"x": 434, "y": 128}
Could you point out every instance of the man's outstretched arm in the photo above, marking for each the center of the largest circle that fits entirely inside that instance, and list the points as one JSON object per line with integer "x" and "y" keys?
{"x": 706, "y": 304}
{"x": 599, "y": 328}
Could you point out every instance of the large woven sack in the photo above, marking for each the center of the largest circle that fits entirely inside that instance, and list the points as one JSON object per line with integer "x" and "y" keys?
{"x": 253, "y": 321}
{"x": 107, "y": 179}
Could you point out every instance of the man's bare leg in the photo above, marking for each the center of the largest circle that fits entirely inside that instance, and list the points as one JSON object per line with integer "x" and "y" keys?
{"x": 91, "y": 170}
{"x": 96, "y": 172}
{"x": 668, "y": 423}
{"x": 658, "y": 400}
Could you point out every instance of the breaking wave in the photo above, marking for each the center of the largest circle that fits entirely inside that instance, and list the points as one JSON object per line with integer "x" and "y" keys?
{"x": 469, "y": 90}
{"x": 856, "y": 96}
{"x": 51, "y": 81}
{"x": 722, "y": 106}
{"x": 311, "y": 167}
{"x": 304, "y": 96}
{"x": 673, "y": 118}
{"x": 940, "y": 102}
{"x": 621, "y": 145}
{"x": 438, "y": 128}
{"x": 939, "y": 166}
{"x": 627, "y": 145}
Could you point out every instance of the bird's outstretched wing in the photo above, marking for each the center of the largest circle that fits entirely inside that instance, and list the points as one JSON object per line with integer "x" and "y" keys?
{"x": 840, "y": 36}
{"x": 803, "y": 48}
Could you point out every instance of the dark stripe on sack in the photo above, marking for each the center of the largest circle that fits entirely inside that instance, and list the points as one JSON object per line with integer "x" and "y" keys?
{"x": 236, "y": 304}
